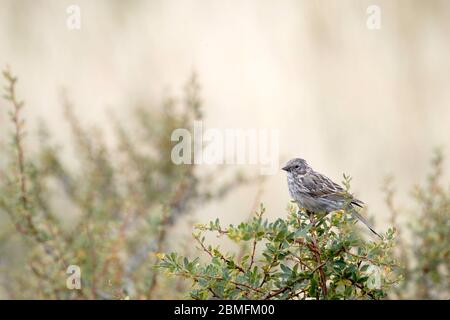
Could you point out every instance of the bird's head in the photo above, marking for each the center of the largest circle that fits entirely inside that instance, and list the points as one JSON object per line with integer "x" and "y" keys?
{"x": 296, "y": 166}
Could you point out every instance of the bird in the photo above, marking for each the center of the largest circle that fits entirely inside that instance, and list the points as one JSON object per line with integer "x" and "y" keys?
{"x": 318, "y": 194}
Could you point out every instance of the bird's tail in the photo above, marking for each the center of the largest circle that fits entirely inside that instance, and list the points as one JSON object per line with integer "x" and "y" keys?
{"x": 356, "y": 215}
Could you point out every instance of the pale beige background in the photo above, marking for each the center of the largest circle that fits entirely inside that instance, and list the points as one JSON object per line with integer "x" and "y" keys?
{"x": 345, "y": 98}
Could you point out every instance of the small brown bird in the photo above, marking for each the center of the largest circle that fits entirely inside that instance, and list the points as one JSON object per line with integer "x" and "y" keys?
{"x": 317, "y": 193}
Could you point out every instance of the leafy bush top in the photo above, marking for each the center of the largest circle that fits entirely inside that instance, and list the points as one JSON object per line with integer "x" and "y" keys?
{"x": 298, "y": 257}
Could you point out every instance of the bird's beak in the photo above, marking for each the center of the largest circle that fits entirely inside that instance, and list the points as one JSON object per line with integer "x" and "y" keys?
{"x": 285, "y": 168}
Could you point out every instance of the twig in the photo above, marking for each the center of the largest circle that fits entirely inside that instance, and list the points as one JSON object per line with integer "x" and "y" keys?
{"x": 370, "y": 260}
{"x": 159, "y": 245}
{"x": 197, "y": 276}
{"x": 272, "y": 264}
{"x": 277, "y": 292}
{"x": 252, "y": 259}
{"x": 10, "y": 95}
{"x": 316, "y": 252}
{"x": 221, "y": 256}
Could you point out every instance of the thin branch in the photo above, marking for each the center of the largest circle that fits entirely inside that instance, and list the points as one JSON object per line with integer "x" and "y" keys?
{"x": 10, "y": 95}
{"x": 221, "y": 256}
{"x": 159, "y": 247}
{"x": 205, "y": 276}
{"x": 316, "y": 252}
{"x": 252, "y": 259}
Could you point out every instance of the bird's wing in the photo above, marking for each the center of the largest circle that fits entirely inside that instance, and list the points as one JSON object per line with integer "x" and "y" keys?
{"x": 325, "y": 188}
{"x": 317, "y": 185}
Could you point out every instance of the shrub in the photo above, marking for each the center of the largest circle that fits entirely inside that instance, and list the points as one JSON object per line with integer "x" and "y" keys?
{"x": 107, "y": 214}
{"x": 111, "y": 212}
{"x": 298, "y": 257}
{"x": 423, "y": 242}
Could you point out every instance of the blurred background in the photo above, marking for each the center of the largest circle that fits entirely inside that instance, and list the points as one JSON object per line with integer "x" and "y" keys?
{"x": 348, "y": 99}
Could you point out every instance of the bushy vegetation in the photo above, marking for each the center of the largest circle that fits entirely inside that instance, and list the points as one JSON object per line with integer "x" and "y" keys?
{"x": 293, "y": 258}
{"x": 424, "y": 243}
{"x": 111, "y": 214}
{"x": 120, "y": 203}
{"x": 300, "y": 257}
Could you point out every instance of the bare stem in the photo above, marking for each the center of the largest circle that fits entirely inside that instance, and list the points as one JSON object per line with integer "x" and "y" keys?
{"x": 10, "y": 95}
{"x": 314, "y": 248}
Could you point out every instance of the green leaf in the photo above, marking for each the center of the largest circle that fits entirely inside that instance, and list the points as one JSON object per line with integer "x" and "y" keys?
{"x": 302, "y": 233}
